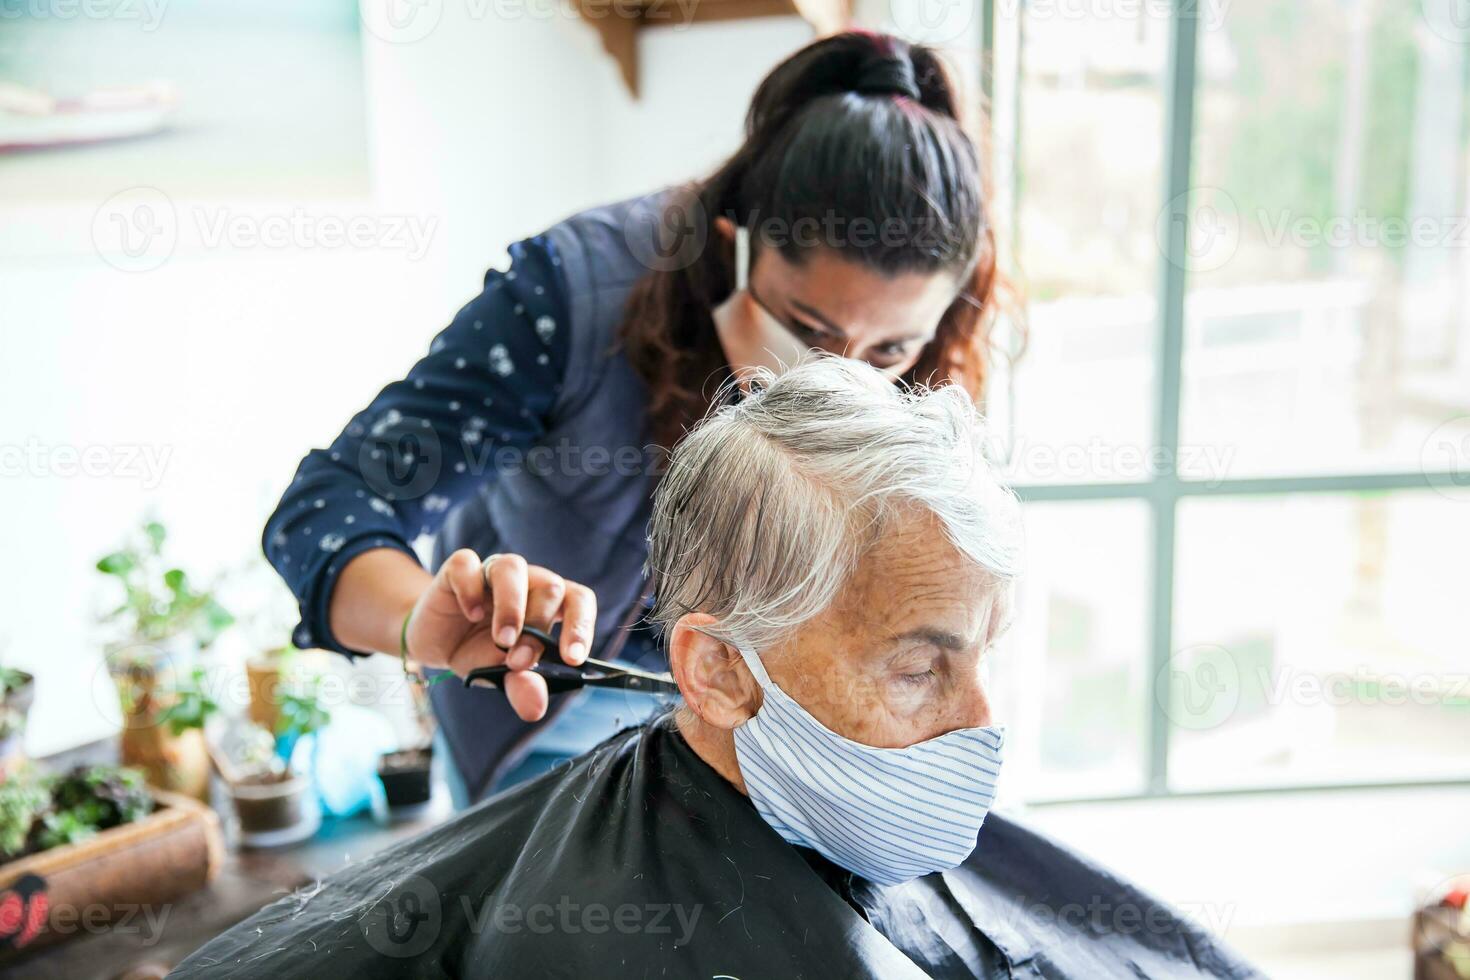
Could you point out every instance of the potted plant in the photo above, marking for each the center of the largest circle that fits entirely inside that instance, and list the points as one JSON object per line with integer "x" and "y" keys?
{"x": 23, "y": 798}
{"x": 266, "y": 673}
{"x": 39, "y": 812}
{"x": 17, "y": 693}
{"x": 274, "y": 799}
{"x": 405, "y": 773}
{"x": 162, "y": 622}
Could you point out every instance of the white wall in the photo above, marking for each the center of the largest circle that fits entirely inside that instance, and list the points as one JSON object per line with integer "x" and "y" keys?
{"x": 228, "y": 363}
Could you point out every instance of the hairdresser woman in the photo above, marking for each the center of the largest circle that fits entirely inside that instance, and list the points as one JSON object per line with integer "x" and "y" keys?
{"x": 851, "y": 220}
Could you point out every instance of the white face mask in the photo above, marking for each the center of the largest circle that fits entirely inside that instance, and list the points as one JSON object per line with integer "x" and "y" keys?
{"x": 753, "y": 341}
{"x": 888, "y": 815}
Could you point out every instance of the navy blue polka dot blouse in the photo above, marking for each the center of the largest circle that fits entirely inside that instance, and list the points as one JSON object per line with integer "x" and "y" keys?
{"x": 428, "y": 441}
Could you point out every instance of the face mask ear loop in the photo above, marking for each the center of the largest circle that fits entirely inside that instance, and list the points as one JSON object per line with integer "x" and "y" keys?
{"x": 757, "y": 669}
{"x": 742, "y": 259}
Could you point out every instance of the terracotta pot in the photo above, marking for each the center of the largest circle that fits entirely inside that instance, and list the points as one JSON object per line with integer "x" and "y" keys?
{"x": 177, "y": 763}
{"x": 265, "y": 678}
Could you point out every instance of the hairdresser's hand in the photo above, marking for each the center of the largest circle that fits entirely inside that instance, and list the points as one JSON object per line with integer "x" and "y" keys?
{"x": 458, "y": 624}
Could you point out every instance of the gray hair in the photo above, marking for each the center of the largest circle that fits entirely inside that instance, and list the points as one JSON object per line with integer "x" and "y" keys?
{"x": 770, "y": 502}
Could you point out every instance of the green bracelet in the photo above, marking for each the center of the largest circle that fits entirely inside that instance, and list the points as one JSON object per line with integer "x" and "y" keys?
{"x": 403, "y": 646}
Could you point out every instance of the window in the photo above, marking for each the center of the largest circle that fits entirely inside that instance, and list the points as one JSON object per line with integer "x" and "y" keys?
{"x": 1242, "y": 424}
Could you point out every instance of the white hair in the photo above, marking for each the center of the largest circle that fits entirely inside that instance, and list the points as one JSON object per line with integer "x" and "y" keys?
{"x": 770, "y": 502}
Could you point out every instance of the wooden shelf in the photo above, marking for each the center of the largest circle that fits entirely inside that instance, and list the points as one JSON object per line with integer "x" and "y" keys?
{"x": 619, "y": 21}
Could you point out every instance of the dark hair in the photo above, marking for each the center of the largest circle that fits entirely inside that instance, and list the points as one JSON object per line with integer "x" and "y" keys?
{"x": 853, "y": 131}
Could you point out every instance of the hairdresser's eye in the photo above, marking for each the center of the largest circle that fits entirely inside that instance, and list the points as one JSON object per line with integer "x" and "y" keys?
{"x": 886, "y": 356}
{"x": 806, "y": 334}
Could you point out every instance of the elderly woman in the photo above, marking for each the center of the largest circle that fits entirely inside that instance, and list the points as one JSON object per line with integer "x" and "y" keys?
{"x": 832, "y": 558}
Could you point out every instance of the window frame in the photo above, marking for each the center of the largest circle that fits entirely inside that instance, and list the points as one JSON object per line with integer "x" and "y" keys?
{"x": 1164, "y": 490}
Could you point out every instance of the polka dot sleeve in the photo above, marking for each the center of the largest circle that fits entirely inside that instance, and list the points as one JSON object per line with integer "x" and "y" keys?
{"x": 480, "y": 398}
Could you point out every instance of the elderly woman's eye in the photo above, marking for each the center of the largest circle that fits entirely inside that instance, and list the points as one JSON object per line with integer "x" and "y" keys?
{"x": 923, "y": 677}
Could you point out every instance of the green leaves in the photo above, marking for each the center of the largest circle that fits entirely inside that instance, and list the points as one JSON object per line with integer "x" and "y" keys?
{"x": 40, "y": 811}
{"x": 160, "y": 602}
{"x": 118, "y": 563}
{"x": 301, "y": 713}
{"x": 191, "y": 704}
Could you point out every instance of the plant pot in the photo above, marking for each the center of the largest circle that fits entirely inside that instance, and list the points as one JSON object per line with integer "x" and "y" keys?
{"x": 147, "y": 864}
{"x": 265, "y": 677}
{"x": 177, "y": 763}
{"x": 405, "y": 776}
{"x": 276, "y": 813}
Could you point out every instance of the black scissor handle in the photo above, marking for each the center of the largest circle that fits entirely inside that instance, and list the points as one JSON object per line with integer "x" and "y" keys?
{"x": 560, "y": 677}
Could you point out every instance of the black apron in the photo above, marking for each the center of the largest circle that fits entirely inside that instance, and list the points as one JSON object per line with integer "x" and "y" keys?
{"x": 639, "y": 860}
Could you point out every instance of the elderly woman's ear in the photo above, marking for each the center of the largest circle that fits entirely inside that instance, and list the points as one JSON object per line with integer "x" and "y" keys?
{"x": 712, "y": 676}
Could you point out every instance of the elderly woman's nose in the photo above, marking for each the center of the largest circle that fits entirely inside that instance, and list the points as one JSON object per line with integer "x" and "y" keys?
{"x": 971, "y": 705}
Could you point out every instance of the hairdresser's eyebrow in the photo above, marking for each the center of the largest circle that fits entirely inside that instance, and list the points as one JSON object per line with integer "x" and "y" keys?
{"x": 819, "y": 316}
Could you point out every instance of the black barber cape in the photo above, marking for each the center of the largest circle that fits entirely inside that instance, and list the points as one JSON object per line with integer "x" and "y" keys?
{"x": 639, "y": 860}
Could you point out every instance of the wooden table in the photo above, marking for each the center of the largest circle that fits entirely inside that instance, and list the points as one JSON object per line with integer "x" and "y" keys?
{"x": 248, "y": 880}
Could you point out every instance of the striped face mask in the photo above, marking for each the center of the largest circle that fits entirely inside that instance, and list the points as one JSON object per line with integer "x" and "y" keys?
{"x": 888, "y": 815}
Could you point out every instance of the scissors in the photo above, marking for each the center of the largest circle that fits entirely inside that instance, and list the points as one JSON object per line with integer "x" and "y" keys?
{"x": 562, "y": 677}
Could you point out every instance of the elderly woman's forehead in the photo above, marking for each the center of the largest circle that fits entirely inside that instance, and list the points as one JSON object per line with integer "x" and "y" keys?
{"x": 914, "y": 563}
